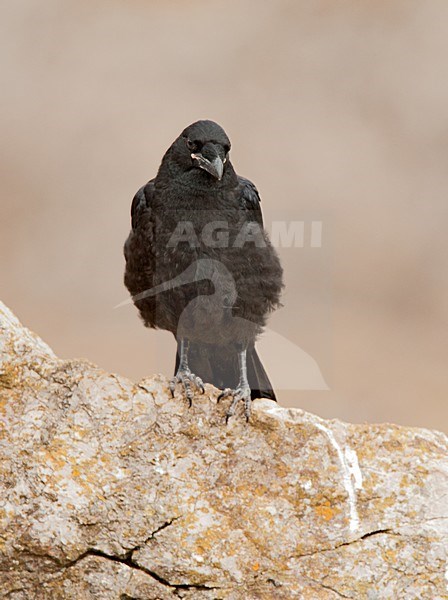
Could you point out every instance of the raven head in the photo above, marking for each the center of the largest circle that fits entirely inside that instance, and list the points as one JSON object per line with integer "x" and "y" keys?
{"x": 204, "y": 145}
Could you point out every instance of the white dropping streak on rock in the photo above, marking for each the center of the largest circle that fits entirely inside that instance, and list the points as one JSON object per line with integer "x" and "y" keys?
{"x": 351, "y": 473}
{"x": 351, "y": 459}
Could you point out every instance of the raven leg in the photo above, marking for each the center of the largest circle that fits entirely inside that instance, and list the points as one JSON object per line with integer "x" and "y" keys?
{"x": 184, "y": 375}
{"x": 242, "y": 392}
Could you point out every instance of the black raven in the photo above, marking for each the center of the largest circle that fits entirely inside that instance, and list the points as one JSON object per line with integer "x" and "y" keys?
{"x": 199, "y": 264}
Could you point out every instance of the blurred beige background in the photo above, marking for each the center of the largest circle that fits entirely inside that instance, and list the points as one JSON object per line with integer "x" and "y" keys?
{"x": 338, "y": 110}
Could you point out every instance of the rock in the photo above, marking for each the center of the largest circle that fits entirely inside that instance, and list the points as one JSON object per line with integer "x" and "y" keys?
{"x": 114, "y": 490}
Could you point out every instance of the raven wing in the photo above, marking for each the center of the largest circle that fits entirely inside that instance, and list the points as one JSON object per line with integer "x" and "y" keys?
{"x": 250, "y": 200}
{"x": 141, "y": 204}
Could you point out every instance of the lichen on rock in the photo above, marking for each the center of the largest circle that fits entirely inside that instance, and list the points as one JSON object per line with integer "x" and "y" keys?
{"x": 115, "y": 490}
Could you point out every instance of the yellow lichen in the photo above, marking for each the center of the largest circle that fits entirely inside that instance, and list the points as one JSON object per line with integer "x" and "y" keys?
{"x": 9, "y": 376}
{"x": 325, "y": 511}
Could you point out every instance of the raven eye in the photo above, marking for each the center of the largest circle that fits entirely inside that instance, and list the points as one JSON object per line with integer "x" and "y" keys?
{"x": 193, "y": 146}
{"x": 226, "y": 148}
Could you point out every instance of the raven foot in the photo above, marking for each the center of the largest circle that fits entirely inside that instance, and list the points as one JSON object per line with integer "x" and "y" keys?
{"x": 242, "y": 392}
{"x": 187, "y": 379}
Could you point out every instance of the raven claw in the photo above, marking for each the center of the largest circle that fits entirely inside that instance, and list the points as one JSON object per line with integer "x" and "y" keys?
{"x": 186, "y": 378}
{"x": 240, "y": 393}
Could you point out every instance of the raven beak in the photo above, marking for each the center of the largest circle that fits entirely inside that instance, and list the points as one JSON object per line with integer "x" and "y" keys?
{"x": 215, "y": 167}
